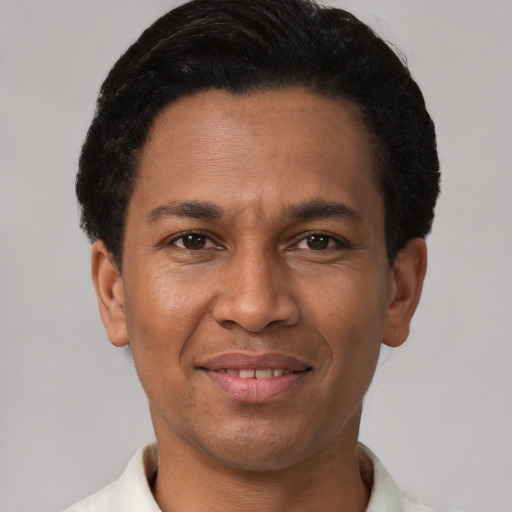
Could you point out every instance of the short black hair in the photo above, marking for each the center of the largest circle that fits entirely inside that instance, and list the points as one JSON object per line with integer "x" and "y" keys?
{"x": 246, "y": 45}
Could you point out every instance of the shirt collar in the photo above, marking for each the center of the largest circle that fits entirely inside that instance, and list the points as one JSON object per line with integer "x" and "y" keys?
{"x": 133, "y": 489}
{"x": 385, "y": 494}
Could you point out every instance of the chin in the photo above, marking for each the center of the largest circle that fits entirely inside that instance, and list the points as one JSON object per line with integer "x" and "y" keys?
{"x": 252, "y": 447}
{"x": 256, "y": 458}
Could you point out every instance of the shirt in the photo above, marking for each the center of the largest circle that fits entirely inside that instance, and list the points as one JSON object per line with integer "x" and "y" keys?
{"x": 132, "y": 491}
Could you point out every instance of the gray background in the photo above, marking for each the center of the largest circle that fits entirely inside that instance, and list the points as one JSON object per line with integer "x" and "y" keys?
{"x": 71, "y": 409}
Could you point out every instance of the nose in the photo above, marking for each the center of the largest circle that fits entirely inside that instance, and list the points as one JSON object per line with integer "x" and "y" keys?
{"x": 255, "y": 294}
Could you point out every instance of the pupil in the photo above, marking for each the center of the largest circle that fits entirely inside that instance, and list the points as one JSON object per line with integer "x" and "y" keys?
{"x": 194, "y": 241}
{"x": 316, "y": 242}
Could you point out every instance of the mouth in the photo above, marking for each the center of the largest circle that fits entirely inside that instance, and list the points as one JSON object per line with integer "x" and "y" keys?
{"x": 255, "y": 378}
{"x": 247, "y": 373}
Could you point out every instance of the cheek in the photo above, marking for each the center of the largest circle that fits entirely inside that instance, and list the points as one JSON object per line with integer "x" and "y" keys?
{"x": 162, "y": 313}
{"x": 162, "y": 302}
{"x": 349, "y": 311}
{"x": 347, "y": 306}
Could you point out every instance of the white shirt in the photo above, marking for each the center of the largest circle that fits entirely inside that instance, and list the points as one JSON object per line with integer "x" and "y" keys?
{"x": 132, "y": 492}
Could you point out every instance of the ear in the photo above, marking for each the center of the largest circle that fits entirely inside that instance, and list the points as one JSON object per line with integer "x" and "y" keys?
{"x": 409, "y": 271}
{"x": 109, "y": 292}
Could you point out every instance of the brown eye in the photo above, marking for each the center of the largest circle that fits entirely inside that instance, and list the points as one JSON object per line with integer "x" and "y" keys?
{"x": 317, "y": 242}
{"x": 193, "y": 241}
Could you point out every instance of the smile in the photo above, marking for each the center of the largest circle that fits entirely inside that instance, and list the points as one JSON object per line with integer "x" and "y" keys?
{"x": 268, "y": 373}
{"x": 255, "y": 378}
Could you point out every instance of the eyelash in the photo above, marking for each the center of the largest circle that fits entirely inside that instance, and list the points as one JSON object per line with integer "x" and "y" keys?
{"x": 190, "y": 234}
{"x": 332, "y": 242}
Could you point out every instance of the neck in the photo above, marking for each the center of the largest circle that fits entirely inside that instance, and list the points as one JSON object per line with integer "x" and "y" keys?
{"x": 190, "y": 479}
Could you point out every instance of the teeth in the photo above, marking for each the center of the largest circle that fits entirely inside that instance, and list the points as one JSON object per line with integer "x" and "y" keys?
{"x": 267, "y": 373}
{"x": 264, "y": 374}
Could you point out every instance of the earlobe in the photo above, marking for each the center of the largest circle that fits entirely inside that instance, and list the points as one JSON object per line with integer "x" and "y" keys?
{"x": 109, "y": 293}
{"x": 407, "y": 283}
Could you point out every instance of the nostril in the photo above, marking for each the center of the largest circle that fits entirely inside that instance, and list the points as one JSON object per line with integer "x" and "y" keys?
{"x": 255, "y": 316}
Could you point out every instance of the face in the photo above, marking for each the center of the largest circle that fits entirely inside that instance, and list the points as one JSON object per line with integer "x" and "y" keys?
{"x": 255, "y": 289}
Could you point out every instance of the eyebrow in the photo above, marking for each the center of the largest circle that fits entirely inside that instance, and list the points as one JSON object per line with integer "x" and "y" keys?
{"x": 193, "y": 209}
{"x": 319, "y": 209}
{"x": 311, "y": 210}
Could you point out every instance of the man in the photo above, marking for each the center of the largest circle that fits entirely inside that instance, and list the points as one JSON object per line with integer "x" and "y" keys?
{"x": 257, "y": 184}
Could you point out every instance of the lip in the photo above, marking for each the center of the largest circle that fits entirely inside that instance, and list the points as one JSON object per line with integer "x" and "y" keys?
{"x": 242, "y": 360}
{"x": 255, "y": 390}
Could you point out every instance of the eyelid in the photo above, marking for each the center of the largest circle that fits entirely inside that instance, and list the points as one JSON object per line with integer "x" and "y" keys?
{"x": 171, "y": 241}
{"x": 340, "y": 241}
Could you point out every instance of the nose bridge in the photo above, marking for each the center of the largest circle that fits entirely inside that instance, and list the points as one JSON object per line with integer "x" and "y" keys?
{"x": 255, "y": 292}
{"x": 256, "y": 278}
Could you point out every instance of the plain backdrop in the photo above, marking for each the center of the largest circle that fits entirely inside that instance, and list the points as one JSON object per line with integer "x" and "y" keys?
{"x": 72, "y": 412}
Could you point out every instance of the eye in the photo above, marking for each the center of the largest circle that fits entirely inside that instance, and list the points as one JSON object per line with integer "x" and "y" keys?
{"x": 193, "y": 242}
{"x": 319, "y": 242}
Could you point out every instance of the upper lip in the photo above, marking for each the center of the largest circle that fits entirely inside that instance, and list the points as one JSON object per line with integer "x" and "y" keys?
{"x": 241, "y": 361}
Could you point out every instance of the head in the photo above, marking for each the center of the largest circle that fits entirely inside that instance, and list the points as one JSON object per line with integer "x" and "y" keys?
{"x": 241, "y": 47}
{"x": 258, "y": 180}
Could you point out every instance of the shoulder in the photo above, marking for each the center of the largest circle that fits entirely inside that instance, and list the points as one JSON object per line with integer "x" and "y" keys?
{"x": 131, "y": 492}
{"x": 385, "y": 494}
{"x": 413, "y": 504}
{"x": 98, "y": 501}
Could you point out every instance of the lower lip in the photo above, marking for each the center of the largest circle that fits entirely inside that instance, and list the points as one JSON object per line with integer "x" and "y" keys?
{"x": 255, "y": 390}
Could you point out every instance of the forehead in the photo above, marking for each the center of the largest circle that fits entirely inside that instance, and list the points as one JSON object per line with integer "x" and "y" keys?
{"x": 266, "y": 149}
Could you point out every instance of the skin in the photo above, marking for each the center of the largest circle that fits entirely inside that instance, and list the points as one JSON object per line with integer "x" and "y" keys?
{"x": 255, "y": 283}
